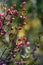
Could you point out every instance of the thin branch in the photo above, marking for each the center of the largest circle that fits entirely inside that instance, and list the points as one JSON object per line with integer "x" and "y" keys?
{"x": 3, "y": 52}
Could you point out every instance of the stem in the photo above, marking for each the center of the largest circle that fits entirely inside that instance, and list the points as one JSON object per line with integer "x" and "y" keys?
{"x": 3, "y": 52}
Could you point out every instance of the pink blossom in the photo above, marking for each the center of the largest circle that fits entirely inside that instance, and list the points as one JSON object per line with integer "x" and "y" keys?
{"x": 0, "y": 24}
{"x": 23, "y": 3}
{"x": 2, "y": 33}
{"x": 14, "y": 5}
{"x": 13, "y": 11}
{"x": 17, "y": 14}
{"x": 24, "y": 38}
{"x": 19, "y": 39}
{"x": 24, "y": 17}
{"x": 2, "y": 14}
{"x": 28, "y": 44}
{"x": 19, "y": 28}
{"x": 24, "y": 9}
{"x": 24, "y": 23}
{"x": 21, "y": 44}
{"x": 8, "y": 10}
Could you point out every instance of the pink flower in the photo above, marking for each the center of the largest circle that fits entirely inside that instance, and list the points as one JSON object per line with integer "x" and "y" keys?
{"x": 9, "y": 58}
{"x": 24, "y": 23}
{"x": 13, "y": 11}
{"x": 24, "y": 17}
{"x": 14, "y": 5}
{"x": 0, "y": 24}
{"x": 24, "y": 9}
{"x": 24, "y": 38}
{"x": 3, "y": 32}
{"x": 2, "y": 14}
{"x": 9, "y": 24}
{"x": 23, "y": 3}
{"x": 28, "y": 44}
{"x": 8, "y": 10}
{"x": 13, "y": 18}
{"x": 17, "y": 14}
{"x": 21, "y": 44}
{"x": 19, "y": 39}
{"x": 19, "y": 28}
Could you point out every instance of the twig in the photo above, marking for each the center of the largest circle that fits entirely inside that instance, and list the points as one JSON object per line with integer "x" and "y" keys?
{"x": 3, "y": 52}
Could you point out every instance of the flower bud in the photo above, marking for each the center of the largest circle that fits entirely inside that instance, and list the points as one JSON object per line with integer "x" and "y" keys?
{"x": 28, "y": 44}
{"x": 24, "y": 3}
{"x": 14, "y": 5}
{"x": 0, "y": 24}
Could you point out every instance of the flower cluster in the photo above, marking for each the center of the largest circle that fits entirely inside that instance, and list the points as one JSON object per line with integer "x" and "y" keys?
{"x": 11, "y": 22}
